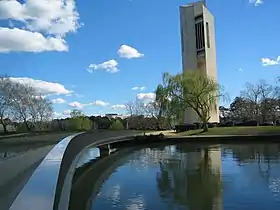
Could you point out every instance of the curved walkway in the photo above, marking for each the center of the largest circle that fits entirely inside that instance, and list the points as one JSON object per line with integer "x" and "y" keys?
{"x": 57, "y": 169}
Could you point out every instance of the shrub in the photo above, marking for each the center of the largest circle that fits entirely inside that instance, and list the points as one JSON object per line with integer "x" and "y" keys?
{"x": 247, "y": 123}
{"x": 198, "y": 125}
{"x": 185, "y": 127}
{"x": 86, "y": 124}
{"x": 227, "y": 124}
{"x": 267, "y": 124}
{"x": 75, "y": 124}
{"x": 80, "y": 124}
{"x": 117, "y": 125}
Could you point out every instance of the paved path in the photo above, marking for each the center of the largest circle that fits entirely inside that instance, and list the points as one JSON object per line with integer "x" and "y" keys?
{"x": 16, "y": 171}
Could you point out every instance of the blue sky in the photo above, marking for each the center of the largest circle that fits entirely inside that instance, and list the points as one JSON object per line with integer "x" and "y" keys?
{"x": 92, "y": 53}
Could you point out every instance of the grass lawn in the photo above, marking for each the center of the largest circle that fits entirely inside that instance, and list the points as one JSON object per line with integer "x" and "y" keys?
{"x": 254, "y": 130}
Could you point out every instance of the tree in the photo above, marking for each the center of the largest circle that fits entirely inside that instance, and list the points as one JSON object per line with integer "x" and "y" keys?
{"x": 170, "y": 109}
{"x": 21, "y": 103}
{"x": 80, "y": 123}
{"x": 195, "y": 90}
{"x": 136, "y": 108}
{"x": 5, "y": 100}
{"x": 117, "y": 125}
{"x": 241, "y": 110}
{"x": 76, "y": 113}
{"x": 251, "y": 95}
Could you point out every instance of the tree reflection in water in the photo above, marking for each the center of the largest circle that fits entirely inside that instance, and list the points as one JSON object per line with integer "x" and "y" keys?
{"x": 198, "y": 189}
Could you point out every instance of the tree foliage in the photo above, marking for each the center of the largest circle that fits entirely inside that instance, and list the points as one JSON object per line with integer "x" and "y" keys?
{"x": 191, "y": 89}
{"x": 117, "y": 125}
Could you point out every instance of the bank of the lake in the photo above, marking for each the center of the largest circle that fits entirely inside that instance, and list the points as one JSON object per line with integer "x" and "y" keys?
{"x": 248, "y": 130}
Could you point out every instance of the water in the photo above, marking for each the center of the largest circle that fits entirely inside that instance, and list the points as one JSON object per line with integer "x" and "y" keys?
{"x": 183, "y": 176}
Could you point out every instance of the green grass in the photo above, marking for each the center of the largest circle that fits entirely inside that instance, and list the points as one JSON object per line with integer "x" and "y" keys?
{"x": 235, "y": 131}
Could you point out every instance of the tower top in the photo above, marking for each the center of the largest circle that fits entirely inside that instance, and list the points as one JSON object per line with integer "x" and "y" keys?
{"x": 204, "y": 2}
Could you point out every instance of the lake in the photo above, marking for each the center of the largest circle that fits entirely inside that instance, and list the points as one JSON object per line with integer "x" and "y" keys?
{"x": 183, "y": 176}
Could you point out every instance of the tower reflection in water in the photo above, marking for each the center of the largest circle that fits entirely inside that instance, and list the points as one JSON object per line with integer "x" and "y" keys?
{"x": 184, "y": 176}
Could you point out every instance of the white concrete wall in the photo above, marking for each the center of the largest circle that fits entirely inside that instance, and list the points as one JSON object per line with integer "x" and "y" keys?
{"x": 188, "y": 39}
{"x": 210, "y": 56}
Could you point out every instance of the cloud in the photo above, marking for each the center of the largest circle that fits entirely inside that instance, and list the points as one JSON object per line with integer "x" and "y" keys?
{"x": 270, "y": 62}
{"x": 56, "y": 17}
{"x": 256, "y": 2}
{"x": 109, "y": 66}
{"x": 58, "y": 101}
{"x": 64, "y": 114}
{"x": 118, "y": 106}
{"x": 44, "y": 24}
{"x": 240, "y": 70}
{"x": 99, "y": 103}
{"x": 19, "y": 40}
{"x": 76, "y": 104}
{"x": 43, "y": 87}
{"x": 146, "y": 96}
{"x": 126, "y": 51}
{"x": 138, "y": 88}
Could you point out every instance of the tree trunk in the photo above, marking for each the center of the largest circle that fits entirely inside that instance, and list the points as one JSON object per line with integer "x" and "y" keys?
{"x": 4, "y": 126}
{"x": 27, "y": 126}
{"x": 205, "y": 126}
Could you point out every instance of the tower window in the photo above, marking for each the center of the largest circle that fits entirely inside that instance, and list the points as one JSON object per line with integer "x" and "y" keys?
{"x": 199, "y": 34}
{"x": 208, "y": 36}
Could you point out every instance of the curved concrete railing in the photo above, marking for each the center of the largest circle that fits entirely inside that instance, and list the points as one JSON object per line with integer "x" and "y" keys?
{"x": 57, "y": 169}
{"x": 36, "y": 195}
{"x": 71, "y": 157}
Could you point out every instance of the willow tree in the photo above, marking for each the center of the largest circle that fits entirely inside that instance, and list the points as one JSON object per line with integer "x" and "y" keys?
{"x": 170, "y": 109}
{"x": 194, "y": 90}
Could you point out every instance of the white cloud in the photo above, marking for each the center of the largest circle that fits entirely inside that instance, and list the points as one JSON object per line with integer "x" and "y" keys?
{"x": 58, "y": 101}
{"x": 76, "y": 104}
{"x": 109, "y": 66}
{"x": 99, "y": 103}
{"x": 43, "y": 87}
{"x": 270, "y": 62}
{"x": 66, "y": 112}
{"x": 45, "y": 23}
{"x": 146, "y": 96}
{"x": 126, "y": 51}
{"x": 118, "y": 106}
{"x": 18, "y": 40}
{"x": 256, "y": 2}
{"x": 56, "y": 17}
{"x": 138, "y": 88}
{"x": 240, "y": 70}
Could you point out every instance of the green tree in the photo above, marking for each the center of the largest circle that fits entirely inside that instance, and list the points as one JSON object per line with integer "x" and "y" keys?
{"x": 76, "y": 113}
{"x": 191, "y": 89}
{"x": 117, "y": 125}
{"x": 168, "y": 107}
{"x": 80, "y": 123}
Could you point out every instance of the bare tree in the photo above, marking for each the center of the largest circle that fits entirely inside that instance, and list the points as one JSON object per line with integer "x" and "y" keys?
{"x": 136, "y": 108}
{"x": 252, "y": 94}
{"x": 22, "y": 97}
{"x": 268, "y": 94}
{"x": 41, "y": 111}
{"x": 5, "y": 99}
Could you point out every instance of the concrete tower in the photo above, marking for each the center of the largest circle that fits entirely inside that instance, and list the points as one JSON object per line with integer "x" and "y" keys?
{"x": 198, "y": 46}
